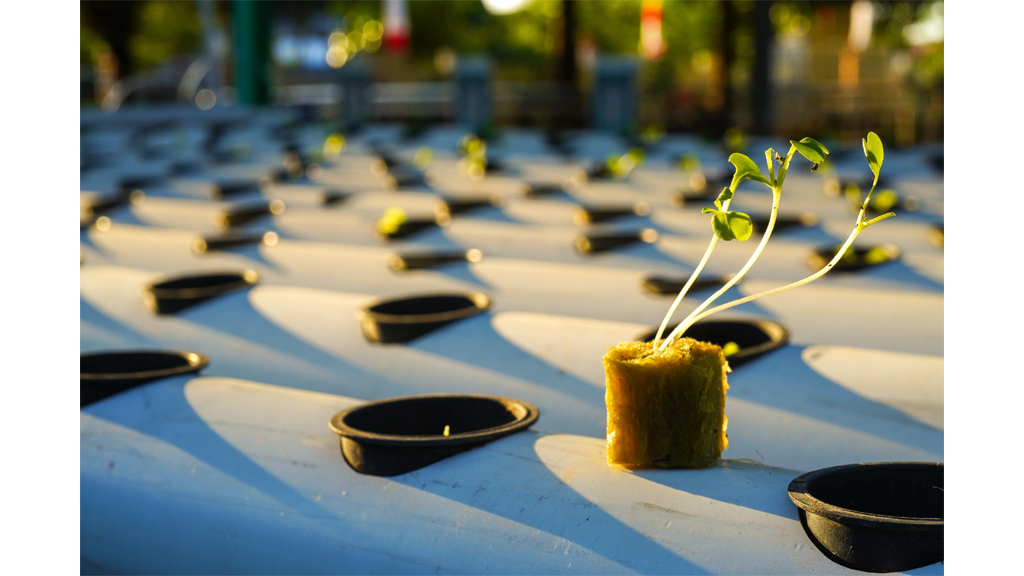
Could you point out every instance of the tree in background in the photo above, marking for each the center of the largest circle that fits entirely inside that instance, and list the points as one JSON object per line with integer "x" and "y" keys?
{"x": 139, "y": 34}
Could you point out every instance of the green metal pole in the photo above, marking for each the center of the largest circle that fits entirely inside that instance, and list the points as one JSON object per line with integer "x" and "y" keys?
{"x": 251, "y": 24}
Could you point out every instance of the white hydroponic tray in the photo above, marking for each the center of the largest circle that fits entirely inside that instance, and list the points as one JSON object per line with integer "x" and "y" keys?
{"x": 236, "y": 470}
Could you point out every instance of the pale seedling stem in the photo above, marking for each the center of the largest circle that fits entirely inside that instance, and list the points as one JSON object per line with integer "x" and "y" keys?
{"x": 693, "y": 277}
{"x": 776, "y": 195}
{"x": 835, "y": 259}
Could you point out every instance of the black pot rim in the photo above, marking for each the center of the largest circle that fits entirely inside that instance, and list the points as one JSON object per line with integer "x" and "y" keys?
{"x": 339, "y": 427}
{"x": 769, "y": 327}
{"x": 196, "y": 361}
{"x": 200, "y": 244}
{"x": 481, "y": 302}
{"x": 798, "y": 493}
{"x": 246, "y": 278}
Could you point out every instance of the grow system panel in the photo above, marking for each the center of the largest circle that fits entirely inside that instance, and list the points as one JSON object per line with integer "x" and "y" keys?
{"x": 249, "y": 449}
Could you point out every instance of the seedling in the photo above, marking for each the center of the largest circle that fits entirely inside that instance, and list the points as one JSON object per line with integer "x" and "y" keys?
{"x": 474, "y": 161}
{"x": 392, "y": 220}
{"x": 620, "y": 166}
{"x": 729, "y": 225}
{"x": 616, "y": 166}
{"x": 666, "y": 399}
{"x": 423, "y": 157}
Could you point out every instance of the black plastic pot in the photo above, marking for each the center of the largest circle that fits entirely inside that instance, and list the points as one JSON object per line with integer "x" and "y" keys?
{"x": 804, "y": 220}
{"x": 880, "y": 204}
{"x": 229, "y": 239}
{"x": 130, "y": 183}
{"x": 293, "y": 167}
{"x": 559, "y": 140}
{"x": 542, "y": 190}
{"x": 407, "y": 228}
{"x": 837, "y": 186}
{"x": 175, "y": 294}
{"x": 399, "y": 435}
{"x": 105, "y": 204}
{"x": 755, "y": 338}
{"x": 183, "y": 167}
{"x": 414, "y": 129}
{"x": 596, "y": 243}
{"x": 227, "y": 188}
{"x": 452, "y": 206}
{"x": 664, "y": 285}
{"x": 389, "y": 160}
{"x": 599, "y": 171}
{"x": 400, "y": 320}
{"x": 406, "y": 177}
{"x": 423, "y": 260}
{"x": 495, "y": 166}
{"x": 333, "y": 197}
{"x": 103, "y": 374}
{"x": 294, "y": 164}
{"x": 878, "y": 517}
{"x": 244, "y": 214}
{"x": 863, "y": 257}
{"x": 585, "y": 215}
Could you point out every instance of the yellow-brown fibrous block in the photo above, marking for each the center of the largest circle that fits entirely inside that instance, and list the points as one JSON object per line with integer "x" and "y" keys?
{"x": 667, "y": 408}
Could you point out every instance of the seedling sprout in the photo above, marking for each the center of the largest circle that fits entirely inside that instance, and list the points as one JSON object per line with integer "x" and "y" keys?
{"x": 729, "y": 225}
{"x": 392, "y": 220}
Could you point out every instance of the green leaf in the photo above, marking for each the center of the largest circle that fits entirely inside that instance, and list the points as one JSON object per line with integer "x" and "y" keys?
{"x": 874, "y": 152}
{"x": 708, "y": 210}
{"x": 746, "y": 169}
{"x": 726, "y": 194}
{"x": 812, "y": 142}
{"x": 741, "y": 225}
{"x": 732, "y": 226}
{"x": 720, "y": 225}
{"x": 811, "y": 149}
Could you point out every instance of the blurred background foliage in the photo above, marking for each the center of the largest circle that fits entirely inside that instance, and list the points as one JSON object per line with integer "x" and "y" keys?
{"x": 159, "y": 30}
{"x": 903, "y": 60}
